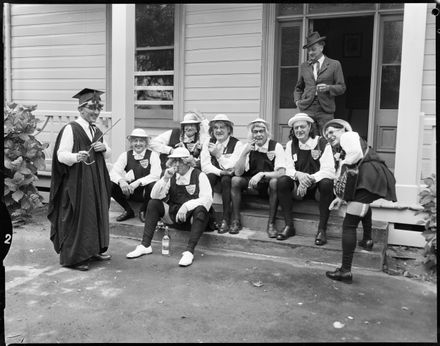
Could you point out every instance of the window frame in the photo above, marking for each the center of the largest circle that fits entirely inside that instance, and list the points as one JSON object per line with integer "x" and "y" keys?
{"x": 177, "y": 73}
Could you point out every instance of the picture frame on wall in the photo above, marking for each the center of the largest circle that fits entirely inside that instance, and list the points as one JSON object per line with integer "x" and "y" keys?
{"x": 352, "y": 45}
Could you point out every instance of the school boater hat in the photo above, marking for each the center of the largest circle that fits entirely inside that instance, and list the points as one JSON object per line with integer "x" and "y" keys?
{"x": 87, "y": 95}
{"x": 260, "y": 122}
{"x": 190, "y": 118}
{"x": 339, "y": 122}
{"x": 221, "y": 117}
{"x": 138, "y": 133}
{"x": 179, "y": 153}
{"x": 298, "y": 117}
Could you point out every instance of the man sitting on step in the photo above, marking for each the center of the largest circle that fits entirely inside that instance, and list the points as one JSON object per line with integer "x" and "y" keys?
{"x": 188, "y": 197}
{"x": 260, "y": 164}
{"x": 133, "y": 175}
{"x": 310, "y": 171}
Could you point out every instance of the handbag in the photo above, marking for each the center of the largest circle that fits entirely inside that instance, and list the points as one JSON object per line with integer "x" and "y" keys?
{"x": 346, "y": 183}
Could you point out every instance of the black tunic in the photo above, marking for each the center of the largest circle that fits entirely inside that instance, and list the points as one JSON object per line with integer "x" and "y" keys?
{"x": 261, "y": 162}
{"x": 79, "y": 202}
{"x": 375, "y": 180}
{"x": 308, "y": 162}
{"x": 179, "y": 194}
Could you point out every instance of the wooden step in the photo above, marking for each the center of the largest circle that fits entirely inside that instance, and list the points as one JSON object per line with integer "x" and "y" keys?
{"x": 255, "y": 240}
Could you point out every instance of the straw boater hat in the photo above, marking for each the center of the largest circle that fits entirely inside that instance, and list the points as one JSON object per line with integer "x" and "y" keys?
{"x": 313, "y": 38}
{"x": 298, "y": 117}
{"x": 341, "y": 122}
{"x": 190, "y": 118}
{"x": 138, "y": 133}
{"x": 221, "y": 117}
{"x": 179, "y": 153}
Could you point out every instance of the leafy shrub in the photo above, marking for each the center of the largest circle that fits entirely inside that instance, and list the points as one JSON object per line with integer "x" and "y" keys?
{"x": 428, "y": 200}
{"x": 23, "y": 157}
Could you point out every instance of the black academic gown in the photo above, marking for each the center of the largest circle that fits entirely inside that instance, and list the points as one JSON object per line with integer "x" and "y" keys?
{"x": 79, "y": 202}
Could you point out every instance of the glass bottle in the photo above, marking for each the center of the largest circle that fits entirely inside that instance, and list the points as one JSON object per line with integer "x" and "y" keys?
{"x": 166, "y": 242}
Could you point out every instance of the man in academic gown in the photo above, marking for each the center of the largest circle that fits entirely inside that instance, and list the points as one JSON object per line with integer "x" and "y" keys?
{"x": 80, "y": 188}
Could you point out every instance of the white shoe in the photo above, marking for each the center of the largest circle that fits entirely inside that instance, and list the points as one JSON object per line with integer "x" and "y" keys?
{"x": 187, "y": 259}
{"x": 140, "y": 251}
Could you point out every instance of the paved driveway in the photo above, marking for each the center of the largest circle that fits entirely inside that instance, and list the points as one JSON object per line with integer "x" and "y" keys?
{"x": 225, "y": 296}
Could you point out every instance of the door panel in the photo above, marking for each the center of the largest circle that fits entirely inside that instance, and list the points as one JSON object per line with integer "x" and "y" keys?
{"x": 390, "y": 50}
{"x": 288, "y": 63}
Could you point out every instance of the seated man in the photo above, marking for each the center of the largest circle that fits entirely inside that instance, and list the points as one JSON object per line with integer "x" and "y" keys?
{"x": 191, "y": 134}
{"x": 133, "y": 175}
{"x": 218, "y": 158}
{"x": 189, "y": 197}
{"x": 259, "y": 166}
{"x": 310, "y": 171}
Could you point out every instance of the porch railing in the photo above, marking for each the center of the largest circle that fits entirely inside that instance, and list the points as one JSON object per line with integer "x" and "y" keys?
{"x": 51, "y": 124}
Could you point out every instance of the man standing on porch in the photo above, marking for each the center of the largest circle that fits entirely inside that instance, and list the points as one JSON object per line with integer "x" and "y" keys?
{"x": 320, "y": 79}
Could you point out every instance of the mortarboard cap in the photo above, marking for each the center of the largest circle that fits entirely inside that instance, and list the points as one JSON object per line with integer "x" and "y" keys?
{"x": 87, "y": 94}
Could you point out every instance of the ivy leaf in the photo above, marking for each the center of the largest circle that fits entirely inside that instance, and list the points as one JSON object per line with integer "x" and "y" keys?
{"x": 18, "y": 177}
{"x": 428, "y": 181}
{"x": 40, "y": 164}
{"x": 11, "y": 184}
{"x": 25, "y": 171}
{"x": 8, "y": 163}
{"x": 24, "y": 137}
{"x": 17, "y": 195}
{"x": 25, "y": 204}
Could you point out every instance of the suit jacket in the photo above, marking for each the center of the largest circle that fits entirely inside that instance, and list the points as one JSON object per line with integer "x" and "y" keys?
{"x": 330, "y": 74}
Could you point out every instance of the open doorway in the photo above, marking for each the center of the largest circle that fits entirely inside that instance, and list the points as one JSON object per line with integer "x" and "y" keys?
{"x": 350, "y": 40}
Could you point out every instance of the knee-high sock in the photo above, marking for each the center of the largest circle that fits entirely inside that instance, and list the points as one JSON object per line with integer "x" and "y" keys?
{"x": 155, "y": 211}
{"x": 367, "y": 224}
{"x": 273, "y": 205}
{"x": 349, "y": 226}
{"x": 284, "y": 188}
{"x": 120, "y": 198}
{"x": 146, "y": 196}
{"x": 226, "y": 196}
{"x": 199, "y": 223}
{"x": 325, "y": 187}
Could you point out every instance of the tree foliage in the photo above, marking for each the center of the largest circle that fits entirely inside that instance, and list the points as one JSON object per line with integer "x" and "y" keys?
{"x": 23, "y": 157}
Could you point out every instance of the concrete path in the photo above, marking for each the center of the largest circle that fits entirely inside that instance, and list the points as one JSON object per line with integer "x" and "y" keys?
{"x": 225, "y": 296}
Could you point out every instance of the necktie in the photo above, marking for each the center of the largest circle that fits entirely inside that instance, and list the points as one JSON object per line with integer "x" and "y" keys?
{"x": 92, "y": 130}
{"x": 315, "y": 69}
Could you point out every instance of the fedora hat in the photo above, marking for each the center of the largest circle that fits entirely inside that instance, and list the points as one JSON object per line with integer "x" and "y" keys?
{"x": 221, "y": 117}
{"x": 298, "y": 117}
{"x": 138, "y": 133}
{"x": 190, "y": 118}
{"x": 179, "y": 153}
{"x": 313, "y": 38}
{"x": 339, "y": 122}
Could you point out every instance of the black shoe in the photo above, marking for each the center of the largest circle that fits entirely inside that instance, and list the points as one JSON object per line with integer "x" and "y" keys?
{"x": 366, "y": 244}
{"x": 339, "y": 275}
{"x": 212, "y": 226}
{"x": 271, "y": 230}
{"x": 235, "y": 227}
{"x": 82, "y": 266}
{"x": 101, "y": 257}
{"x": 142, "y": 216}
{"x": 321, "y": 238}
{"x": 224, "y": 227}
{"x": 125, "y": 215}
{"x": 288, "y": 231}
